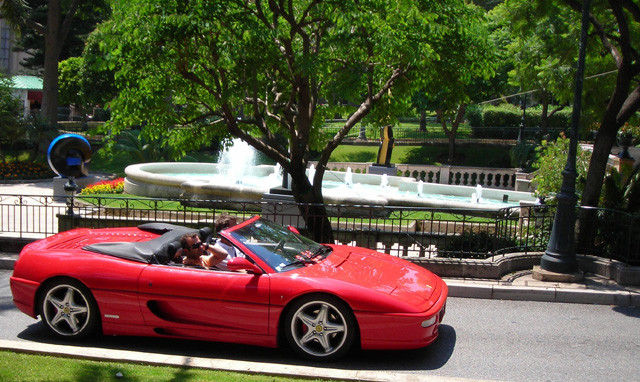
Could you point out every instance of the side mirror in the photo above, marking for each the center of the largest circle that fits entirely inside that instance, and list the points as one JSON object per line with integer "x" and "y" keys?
{"x": 293, "y": 229}
{"x": 242, "y": 264}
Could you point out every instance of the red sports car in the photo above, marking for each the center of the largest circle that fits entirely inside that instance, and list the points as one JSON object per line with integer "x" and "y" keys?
{"x": 319, "y": 299}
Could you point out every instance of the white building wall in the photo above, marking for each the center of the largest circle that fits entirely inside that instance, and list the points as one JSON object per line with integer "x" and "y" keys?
{"x": 9, "y": 60}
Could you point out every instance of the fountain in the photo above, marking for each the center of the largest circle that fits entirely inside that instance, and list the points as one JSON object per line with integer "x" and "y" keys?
{"x": 232, "y": 182}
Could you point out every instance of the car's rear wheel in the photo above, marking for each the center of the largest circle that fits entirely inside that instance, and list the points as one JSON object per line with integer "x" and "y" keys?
{"x": 68, "y": 309}
{"x": 320, "y": 328}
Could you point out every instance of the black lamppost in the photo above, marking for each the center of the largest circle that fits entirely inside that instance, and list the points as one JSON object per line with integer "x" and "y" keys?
{"x": 70, "y": 189}
{"x": 560, "y": 256}
{"x": 522, "y": 120}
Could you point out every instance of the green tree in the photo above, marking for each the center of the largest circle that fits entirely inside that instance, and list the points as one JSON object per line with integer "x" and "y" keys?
{"x": 616, "y": 31}
{"x": 13, "y": 127}
{"x": 84, "y": 83}
{"x": 264, "y": 70}
{"x": 613, "y": 47}
{"x": 70, "y": 82}
{"x": 461, "y": 77}
{"x": 55, "y": 22}
{"x": 542, "y": 45}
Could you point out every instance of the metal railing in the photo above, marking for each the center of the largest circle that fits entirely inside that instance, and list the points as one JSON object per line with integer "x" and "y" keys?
{"x": 435, "y": 134}
{"x": 400, "y": 231}
{"x": 500, "y": 178}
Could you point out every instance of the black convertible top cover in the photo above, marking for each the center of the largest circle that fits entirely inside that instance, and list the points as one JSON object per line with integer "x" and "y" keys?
{"x": 151, "y": 251}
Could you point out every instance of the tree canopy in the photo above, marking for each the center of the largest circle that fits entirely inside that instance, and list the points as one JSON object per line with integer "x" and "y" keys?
{"x": 271, "y": 72}
{"x": 51, "y": 30}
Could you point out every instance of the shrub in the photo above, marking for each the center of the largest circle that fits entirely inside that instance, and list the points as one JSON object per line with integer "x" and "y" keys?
{"x": 502, "y": 116}
{"x": 473, "y": 115}
{"x": 551, "y": 158}
{"x": 522, "y": 155}
{"x": 503, "y": 121}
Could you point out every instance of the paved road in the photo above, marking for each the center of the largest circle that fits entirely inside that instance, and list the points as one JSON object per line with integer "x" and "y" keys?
{"x": 480, "y": 339}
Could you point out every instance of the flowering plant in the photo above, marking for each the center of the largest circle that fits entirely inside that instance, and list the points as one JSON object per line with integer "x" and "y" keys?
{"x": 24, "y": 170}
{"x": 628, "y": 129}
{"x": 115, "y": 186}
{"x": 629, "y": 132}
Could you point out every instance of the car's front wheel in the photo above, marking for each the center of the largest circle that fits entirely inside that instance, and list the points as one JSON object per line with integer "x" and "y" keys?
{"x": 68, "y": 309}
{"x": 320, "y": 328}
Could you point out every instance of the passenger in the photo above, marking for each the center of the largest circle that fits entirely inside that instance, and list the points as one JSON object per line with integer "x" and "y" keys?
{"x": 195, "y": 252}
{"x": 222, "y": 246}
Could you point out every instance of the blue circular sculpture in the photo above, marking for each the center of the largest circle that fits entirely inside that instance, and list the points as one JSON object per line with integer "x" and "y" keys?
{"x": 69, "y": 155}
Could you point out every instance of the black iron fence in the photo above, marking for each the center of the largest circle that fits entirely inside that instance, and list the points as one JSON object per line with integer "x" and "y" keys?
{"x": 436, "y": 134}
{"x": 400, "y": 231}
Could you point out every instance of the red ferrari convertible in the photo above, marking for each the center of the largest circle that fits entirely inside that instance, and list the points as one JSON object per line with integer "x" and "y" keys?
{"x": 282, "y": 289}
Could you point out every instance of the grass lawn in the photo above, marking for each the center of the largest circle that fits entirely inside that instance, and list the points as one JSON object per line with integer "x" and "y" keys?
{"x": 28, "y": 367}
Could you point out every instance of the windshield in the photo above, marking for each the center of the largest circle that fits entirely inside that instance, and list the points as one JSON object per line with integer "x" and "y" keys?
{"x": 282, "y": 249}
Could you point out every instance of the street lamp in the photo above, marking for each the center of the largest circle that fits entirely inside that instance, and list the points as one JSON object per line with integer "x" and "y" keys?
{"x": 522, "y": 120}
{"x": 559, "y": 260}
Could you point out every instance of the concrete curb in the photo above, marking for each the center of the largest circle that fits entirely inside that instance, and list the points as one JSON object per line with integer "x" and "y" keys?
{"x": 491, "y": 290}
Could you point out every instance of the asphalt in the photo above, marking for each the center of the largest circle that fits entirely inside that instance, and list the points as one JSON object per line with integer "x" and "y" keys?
{"x": 592, "y": 289}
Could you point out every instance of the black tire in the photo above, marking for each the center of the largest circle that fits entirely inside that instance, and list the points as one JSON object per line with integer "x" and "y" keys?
{"x": 320, "y": 328}
{"x": 68, "y": 310}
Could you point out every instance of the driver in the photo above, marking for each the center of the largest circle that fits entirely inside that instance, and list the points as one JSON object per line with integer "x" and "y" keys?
{"x": 195, "y": 252}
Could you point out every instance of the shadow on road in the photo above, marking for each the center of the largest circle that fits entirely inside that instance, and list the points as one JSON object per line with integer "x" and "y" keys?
{"x": 629, "y": 311}
{"x": 429, "y": 358}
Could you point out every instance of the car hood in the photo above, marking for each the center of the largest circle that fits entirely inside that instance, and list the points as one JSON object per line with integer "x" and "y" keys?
{"x": 382, "y": 273}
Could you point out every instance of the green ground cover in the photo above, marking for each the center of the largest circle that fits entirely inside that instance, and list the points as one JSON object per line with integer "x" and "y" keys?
{"x": 31, "y": 368}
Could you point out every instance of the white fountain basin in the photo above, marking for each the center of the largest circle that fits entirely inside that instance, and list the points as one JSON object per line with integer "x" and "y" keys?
{"x": 211, "y": 181}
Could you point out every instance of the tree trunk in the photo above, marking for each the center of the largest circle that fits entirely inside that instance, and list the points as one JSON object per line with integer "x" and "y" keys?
{"x": 423, "y": 120}
{"x": 51, "y": 54}
{"x": 621, "y": 105}
{"x": 451, "y": 134}
{"x": 451, "y": 157}
{"x": 311, "y": 205}
{"x": 544, "y": 117}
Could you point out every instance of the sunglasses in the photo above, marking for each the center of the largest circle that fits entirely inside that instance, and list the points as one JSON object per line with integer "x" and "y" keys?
{"x": 196, "y": 245}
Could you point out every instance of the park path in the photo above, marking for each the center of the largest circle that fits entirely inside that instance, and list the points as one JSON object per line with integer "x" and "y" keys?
{"x": 26, "y": 208}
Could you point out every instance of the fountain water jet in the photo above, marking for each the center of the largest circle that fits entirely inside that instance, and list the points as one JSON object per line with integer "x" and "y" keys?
{"x": 348, "y": 177}
{"x": 384, "y": 180}
{"x": 311, "y": 173}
